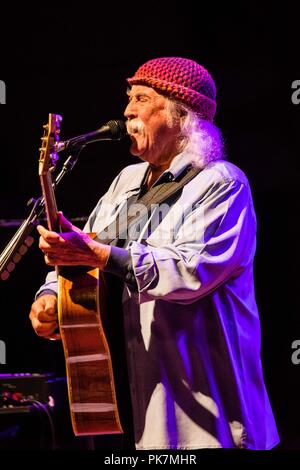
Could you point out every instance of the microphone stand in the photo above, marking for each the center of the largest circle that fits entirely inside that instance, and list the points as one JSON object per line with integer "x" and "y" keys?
{"x": 22, "y": 240}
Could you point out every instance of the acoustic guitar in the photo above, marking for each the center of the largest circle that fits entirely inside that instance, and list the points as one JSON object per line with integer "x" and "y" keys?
{"x": 91, "y": 386}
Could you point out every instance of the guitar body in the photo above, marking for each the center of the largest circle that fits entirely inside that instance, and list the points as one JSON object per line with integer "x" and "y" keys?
{"x": 91, "y": 388}
{"x": 92, "y": 395}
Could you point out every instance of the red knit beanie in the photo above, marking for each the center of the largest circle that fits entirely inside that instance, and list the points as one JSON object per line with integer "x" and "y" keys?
{"x": 181, "y": 79}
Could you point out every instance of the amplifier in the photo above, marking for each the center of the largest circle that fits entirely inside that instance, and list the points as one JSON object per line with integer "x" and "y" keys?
{"x": 26, "y": 420}
{"x": 34, "y": 413}
{"x": 16, "y": 389}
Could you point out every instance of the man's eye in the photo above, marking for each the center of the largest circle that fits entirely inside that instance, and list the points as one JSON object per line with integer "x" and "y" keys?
{"x": 138, "y": 98}
{"x": 142, "y": 98}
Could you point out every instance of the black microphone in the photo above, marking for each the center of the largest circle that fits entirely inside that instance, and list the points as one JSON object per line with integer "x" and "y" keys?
{"x": 112, "y": 130}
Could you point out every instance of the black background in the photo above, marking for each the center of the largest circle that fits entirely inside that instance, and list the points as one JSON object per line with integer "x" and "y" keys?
{"x": 74, "y": 61}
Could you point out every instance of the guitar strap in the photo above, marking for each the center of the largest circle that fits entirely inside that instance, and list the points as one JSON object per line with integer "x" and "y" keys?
{"x": 156, "y": 195}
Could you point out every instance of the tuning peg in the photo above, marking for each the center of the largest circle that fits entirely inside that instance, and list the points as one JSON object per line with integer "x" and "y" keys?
{"x": 46, "y": 126}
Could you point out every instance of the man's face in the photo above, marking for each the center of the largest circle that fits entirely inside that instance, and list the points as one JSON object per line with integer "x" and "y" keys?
{"x": 154, "y": 138}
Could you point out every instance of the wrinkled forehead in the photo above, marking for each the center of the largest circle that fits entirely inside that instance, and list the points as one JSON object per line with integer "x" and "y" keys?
{"x": 138, "y": 90}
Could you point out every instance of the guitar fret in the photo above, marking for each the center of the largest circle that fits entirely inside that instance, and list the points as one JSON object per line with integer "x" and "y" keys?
{"x": 87, "y": 358}
{"x": 92, "y": 407}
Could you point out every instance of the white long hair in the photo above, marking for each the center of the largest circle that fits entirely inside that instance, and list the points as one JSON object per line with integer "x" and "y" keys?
{"x": 200, "y": 139}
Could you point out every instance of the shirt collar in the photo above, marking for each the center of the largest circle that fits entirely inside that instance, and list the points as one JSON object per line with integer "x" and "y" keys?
{"x": 178, "y": 165}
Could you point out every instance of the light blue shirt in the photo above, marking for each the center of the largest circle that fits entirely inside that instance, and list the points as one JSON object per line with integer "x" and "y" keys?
{"x": 191, "y": 322}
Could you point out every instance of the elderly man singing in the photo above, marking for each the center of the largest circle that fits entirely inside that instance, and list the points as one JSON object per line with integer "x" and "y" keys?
{"x": 191, "y": 326}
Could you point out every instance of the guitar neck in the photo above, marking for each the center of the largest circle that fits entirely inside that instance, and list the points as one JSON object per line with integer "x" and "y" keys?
{"x": 50, "y": 201}
{"x": 47, "y": 161}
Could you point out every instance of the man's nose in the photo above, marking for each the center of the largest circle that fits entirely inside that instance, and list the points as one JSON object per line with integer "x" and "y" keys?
{"x": 130, "y": 110}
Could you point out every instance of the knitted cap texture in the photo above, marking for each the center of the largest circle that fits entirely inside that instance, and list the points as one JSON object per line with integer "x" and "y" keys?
{"x": 181, "y": 79}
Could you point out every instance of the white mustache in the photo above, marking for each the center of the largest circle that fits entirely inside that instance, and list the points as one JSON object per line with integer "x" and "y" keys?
{"x": 135, "y": 126}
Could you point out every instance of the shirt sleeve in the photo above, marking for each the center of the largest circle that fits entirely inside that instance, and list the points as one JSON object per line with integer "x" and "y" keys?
{"x": 50, "y": 285}
{"x": 215, "y": 240}
{"x": 120, "y": 264}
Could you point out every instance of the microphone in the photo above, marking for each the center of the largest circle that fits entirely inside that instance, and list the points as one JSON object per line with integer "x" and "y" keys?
{"x": 112, "y": 130}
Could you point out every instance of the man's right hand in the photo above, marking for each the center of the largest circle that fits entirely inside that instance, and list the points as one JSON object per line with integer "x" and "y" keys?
{"x": 43, "y": 316}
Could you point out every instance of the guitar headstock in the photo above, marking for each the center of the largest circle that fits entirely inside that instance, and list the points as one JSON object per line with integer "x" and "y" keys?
{"x": 48, "y": 154}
